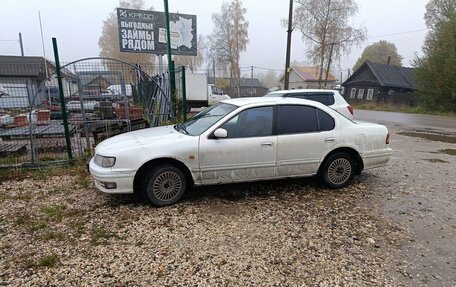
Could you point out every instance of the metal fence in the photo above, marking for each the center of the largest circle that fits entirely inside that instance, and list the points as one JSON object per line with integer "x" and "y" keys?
{"x": 102, "y": 97}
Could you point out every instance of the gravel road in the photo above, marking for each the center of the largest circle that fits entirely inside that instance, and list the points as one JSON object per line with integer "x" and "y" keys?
{"x": 394, "y": 226}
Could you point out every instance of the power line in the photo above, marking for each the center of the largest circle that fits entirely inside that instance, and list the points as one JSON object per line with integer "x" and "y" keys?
{"x": 399, "y": 33}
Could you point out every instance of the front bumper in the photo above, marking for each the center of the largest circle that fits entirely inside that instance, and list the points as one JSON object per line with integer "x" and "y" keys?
{"x": 122, "y": 179}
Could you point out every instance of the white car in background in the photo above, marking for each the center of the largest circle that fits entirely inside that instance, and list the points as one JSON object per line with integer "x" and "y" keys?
{"x": 330, "y": 98}
{"x": 237, "y": 140}
{"x": 75, "y": 106}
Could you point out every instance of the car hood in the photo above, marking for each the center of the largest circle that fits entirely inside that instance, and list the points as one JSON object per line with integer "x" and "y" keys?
{"x": 163, "y": 135}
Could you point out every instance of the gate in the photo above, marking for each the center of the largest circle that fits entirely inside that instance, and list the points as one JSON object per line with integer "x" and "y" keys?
{"x": 103, "y": 97}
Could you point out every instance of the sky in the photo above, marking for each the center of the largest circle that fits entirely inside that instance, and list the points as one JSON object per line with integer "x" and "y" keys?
{"x": 77, "y": 26}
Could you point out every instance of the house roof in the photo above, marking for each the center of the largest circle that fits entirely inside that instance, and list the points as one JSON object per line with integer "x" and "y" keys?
{"x": 387, "y": 75}
{"x": 23, "y": 66}
{"x": 86, "y": 77}
{"x": 310, "y": 74}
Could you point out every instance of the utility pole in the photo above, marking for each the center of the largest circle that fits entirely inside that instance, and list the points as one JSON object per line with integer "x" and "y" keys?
{"x": 20, "y": 43}
{"x": 287, "y": 59}
{"x": 251, "y": 81}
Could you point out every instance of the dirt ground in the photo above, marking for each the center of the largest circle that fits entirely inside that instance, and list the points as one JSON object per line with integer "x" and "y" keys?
{"x": 416, "y": 193}
{"x": 393, "y": 226}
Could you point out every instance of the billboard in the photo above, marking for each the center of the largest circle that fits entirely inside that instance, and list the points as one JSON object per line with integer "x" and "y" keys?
{"x": 142, "y": 31}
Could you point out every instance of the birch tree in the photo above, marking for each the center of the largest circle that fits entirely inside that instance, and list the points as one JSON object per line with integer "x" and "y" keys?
{"x": 229, "y": 36}
{"x": 324, "y": 24}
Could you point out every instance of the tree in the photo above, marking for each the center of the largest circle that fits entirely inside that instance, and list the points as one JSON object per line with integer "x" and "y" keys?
{"x": 379, "y": 52}
{"x": 436, "y": 69}
{"x": 109, "y": 39}
{"x": 193, "y": 62}
{"x": 229, "y": 37}
{"x": 438, "y": 11}
{"x": 325, "y": 28}
{"x": 269, "y": 79}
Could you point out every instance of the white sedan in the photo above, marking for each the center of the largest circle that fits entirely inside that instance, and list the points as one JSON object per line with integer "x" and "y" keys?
{"x": 75, "y": 106}
{"x": 237, "y": 140}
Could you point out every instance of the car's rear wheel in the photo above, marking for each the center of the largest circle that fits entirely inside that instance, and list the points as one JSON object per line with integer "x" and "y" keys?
{"x": 338, "y": 170}
{"x": 164, "y": 185}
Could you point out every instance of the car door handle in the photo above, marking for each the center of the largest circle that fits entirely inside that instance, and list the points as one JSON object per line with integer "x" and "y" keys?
{"x": 267, "y": 144}
{"x": 330, "y": 140}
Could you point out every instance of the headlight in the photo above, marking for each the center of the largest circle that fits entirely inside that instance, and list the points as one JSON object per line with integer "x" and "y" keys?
{"x": 105, "y": 161}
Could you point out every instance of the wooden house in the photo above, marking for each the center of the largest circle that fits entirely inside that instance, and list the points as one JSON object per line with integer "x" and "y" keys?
{"x": 381, "y": 83}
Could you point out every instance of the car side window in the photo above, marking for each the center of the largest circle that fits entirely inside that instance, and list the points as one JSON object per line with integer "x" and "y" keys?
{"x": 303, "y": 119}
{"x": 297, "y": 119}
{"x": 325, "y": 121}
{"x": 254, "y": 122}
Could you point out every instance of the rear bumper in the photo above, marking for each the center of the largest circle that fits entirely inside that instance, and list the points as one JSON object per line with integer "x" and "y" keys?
{"x": 376, "y": 158}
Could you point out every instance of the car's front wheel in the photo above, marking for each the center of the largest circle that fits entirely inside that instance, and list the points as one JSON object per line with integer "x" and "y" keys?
{"x": 164, "y": 185}
{"x": 338, "y": 170}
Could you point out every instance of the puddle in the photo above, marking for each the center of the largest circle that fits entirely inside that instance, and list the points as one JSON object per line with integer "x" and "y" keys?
{"x": 432, "y": 137}
{"x": 435, "y": 160}
{"x": 449, "y": 151}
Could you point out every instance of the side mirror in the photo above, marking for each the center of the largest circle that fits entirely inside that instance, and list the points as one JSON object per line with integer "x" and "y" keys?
{"x": 220, "y": 133}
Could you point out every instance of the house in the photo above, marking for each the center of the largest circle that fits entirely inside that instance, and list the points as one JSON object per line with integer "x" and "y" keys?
{"x": 381, "y": 83}
{"x": 92, "y": 82}
{"x": 248, "y": 87}
{"x": 307, "y": 78}
{"x": 25, "y": 82}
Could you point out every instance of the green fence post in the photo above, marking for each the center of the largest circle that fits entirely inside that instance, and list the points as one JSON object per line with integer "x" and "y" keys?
{"x": 62, "y": 101}
{"x": 170, "y": 61}
{"x": 184, "y": 94}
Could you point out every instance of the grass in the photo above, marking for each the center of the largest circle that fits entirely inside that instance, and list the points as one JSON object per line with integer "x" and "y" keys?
{"x": 102, "y": 236}
{"x": 45, "y": 261}
{"x": 35, "y": 226}
{"x": 78, "y": 167}
{"x": 400, "y": 109}
{"x": 54, "y": 213}
{"x": 51, "y": 235}
{"x": 78, "y": 226}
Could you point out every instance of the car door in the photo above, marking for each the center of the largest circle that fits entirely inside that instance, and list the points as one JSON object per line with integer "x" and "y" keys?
{"x": 247, "y": 153}
{"x": 305, "y": 135}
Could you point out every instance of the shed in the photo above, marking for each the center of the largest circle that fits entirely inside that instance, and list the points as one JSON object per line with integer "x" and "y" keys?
{"x": 21, "y": 78}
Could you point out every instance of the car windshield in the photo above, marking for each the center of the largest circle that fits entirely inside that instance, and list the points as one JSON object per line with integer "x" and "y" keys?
{"x": 200, "y": 122}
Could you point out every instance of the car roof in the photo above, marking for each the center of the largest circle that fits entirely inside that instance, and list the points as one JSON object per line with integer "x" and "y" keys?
{"x": 303, "y": 91}
{"x": 271, "y": 100}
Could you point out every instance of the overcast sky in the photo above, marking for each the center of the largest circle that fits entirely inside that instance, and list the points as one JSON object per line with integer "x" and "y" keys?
{"x": 77, "y": 27}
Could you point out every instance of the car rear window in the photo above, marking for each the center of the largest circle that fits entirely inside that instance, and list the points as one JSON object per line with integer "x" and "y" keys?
{"x": 324, "y": 98}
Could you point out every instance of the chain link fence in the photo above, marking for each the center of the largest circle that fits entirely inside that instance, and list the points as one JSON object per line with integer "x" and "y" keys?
{"x": 102, "y": 98}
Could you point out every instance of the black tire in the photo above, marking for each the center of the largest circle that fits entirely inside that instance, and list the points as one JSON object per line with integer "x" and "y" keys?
{"x": 164, "y": 185}
{"x": 338, "y": 170}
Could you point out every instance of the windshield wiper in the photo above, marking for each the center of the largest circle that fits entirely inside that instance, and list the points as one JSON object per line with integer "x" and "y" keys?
{"x": 180, "y": 127}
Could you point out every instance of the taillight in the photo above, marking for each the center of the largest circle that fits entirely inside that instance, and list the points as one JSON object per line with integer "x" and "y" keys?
{"x": 350, "y": 109}
{"x": 387, "y": 139}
